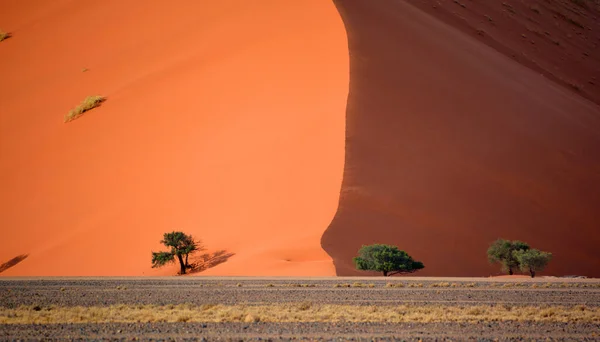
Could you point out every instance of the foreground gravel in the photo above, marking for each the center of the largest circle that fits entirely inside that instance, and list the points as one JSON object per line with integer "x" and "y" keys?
{"x": 177, "y": 290}
{"x": 373, "y": 291}
{"x": 304, "y": 331}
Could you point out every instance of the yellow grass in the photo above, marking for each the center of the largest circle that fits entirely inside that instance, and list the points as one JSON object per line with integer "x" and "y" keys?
{"x": 441, "y": 284}
{"x": 88, "y": 103}
{"x": 4, "y": 35}
{"x": 394, "y": 285}
{"x": 296, "y": 312}
{"x": 415, "y": 285}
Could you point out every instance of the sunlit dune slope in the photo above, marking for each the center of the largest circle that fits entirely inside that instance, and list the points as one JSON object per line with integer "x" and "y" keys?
{"x": 223, "y": 119}
{"x": 451, "y": 145}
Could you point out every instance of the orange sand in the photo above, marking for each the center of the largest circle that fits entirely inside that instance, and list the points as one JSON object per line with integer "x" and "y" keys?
{"x": 224, "y": 119}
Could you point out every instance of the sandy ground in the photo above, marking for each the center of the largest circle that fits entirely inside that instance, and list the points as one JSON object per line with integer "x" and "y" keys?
{"x": 104, "y": 291}
{"x": 223, "y": 119}
{"x": 451, "y": 145}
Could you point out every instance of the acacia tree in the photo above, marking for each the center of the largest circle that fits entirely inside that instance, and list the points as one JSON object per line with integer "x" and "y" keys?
{"x": 182, "y": 245}
{"x": 501, "y": 251}
{"x": 387, "y": 259}
{"x": 532, "y": 260}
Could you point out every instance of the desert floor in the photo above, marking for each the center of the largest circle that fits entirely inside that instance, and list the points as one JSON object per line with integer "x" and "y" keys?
{"x": 228, "y": 308}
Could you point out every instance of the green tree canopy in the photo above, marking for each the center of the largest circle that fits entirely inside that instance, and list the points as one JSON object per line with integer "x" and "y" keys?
{"x": 181, "y": 246}
{"x": 387, "y": 259}
{"x": 501, "y": 251}
{"x": 532, "y": 260}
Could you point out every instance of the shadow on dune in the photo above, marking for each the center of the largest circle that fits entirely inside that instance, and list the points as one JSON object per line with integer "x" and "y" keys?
{"x": 205, "y": 261}
{"x": 12, "y": 262}
{"x": 450, "y": 145}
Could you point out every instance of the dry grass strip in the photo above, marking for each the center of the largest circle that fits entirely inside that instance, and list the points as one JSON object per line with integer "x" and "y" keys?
{"x": 296, "y": 312}
{"x": 88, "y": 103}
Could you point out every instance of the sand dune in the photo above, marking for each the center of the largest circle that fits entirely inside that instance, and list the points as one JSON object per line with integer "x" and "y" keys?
{"x": 451, "y": 145}
{"x": 228, "y": 120}
{"x": 223, "y": 119}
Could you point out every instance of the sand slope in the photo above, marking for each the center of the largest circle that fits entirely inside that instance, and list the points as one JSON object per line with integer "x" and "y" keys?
{"x": 451, "y": 145}
{"x": 224, "y": 119}
{"x": 556, "y": 38}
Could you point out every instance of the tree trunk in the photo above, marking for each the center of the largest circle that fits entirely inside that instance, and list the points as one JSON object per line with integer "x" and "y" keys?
{"x": 385, "y": 273}
{"x": 510, "y": 271}
{"x": 532, "y": 273}
{"x": 181, "y": 263}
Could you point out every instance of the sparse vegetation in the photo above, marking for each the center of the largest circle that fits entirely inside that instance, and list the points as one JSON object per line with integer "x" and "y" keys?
{"x": 182, "y": 245}
{"x": 386, "y": 259}
{"x": 532, "y": 260}
{"x": 4, "y": 35}
{"x": 394, "y": 285}
{"x": 357, "y": 284}
{"x": 441, "y": 284}
{"x": 501, "y": 251}
{"x": 415, "y": 285}
{"x": 301, "y": 285}
{"x": 88, "y": 103}
{"x": 296, "y": 312}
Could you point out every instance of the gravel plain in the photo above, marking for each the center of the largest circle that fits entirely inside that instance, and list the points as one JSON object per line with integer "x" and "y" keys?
{"x": 542, "y": 292}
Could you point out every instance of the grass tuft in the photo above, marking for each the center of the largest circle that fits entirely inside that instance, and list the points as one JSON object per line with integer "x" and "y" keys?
{"x": 415, "y": 285}
{"x": 4, "y": 35}
{"x": 441, "y": 284}
{"x": 394, "y": 285}
{"x": 89, "y": 103}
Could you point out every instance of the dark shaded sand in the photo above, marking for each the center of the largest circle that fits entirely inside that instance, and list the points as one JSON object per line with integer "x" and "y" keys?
{"x": 556, "y": 38}
{"x": 450, "y": 145}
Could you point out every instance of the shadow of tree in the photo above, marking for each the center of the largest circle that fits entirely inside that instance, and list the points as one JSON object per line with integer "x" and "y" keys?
{"x": 12, "y": 262}
{"x": 205, "y": 261}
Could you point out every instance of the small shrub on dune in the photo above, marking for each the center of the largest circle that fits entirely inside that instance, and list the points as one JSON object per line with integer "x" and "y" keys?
{"x": 4, "y": 35}
{"x": 89, "y": 103}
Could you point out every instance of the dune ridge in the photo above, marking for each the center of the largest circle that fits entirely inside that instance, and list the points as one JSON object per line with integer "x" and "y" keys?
{"x": 222, "y": 119}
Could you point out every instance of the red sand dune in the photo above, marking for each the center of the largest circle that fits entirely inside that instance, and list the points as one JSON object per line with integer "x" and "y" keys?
{"x": 451, "y": 145}
{"x": 224, "y": 119}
